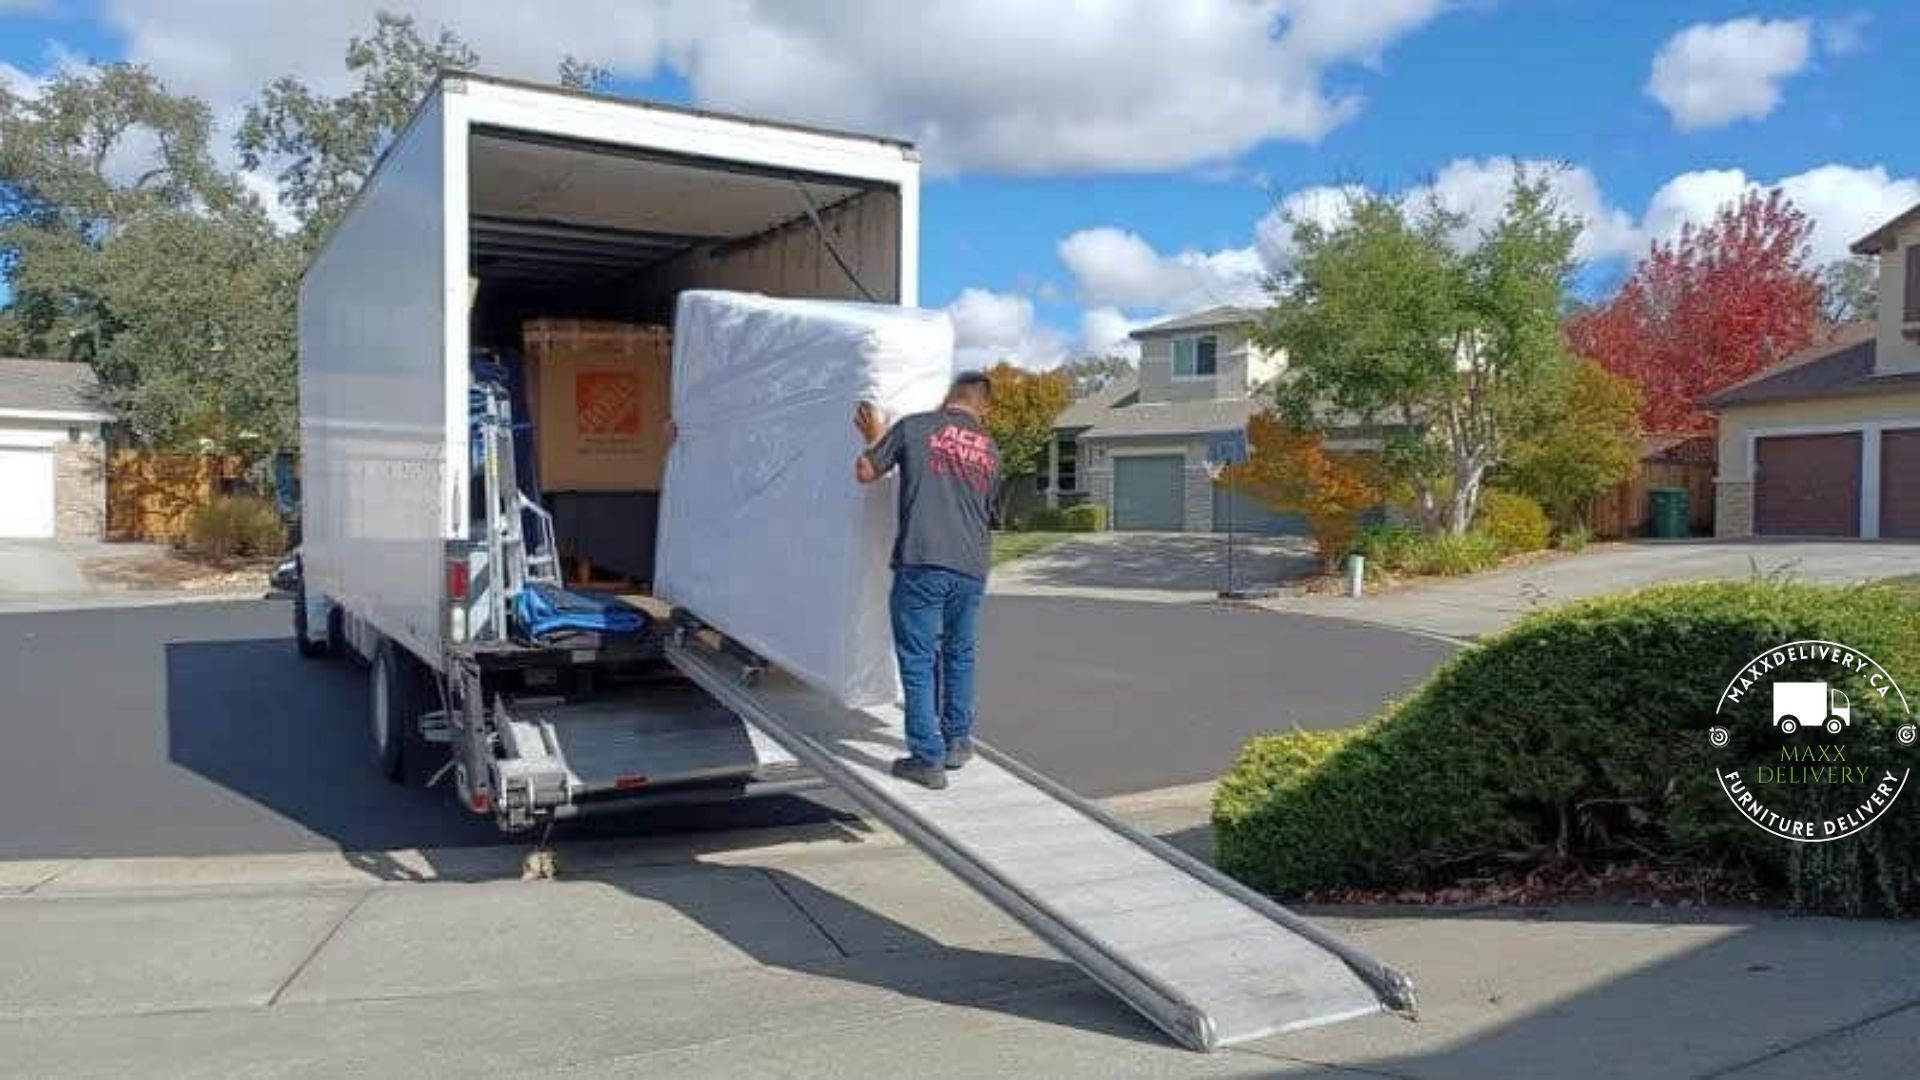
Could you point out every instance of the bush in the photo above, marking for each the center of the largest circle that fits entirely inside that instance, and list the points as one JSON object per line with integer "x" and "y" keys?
{"x": 233, "y": 525}
{"x": 1516, "y": 522}
{"x": 1087, "y": 517}
{"x": 1045, "y": 519}
{"x": 1574, "y": 537}
{"x": 1395, "y": 549}
{"x": 1580, "y": 732}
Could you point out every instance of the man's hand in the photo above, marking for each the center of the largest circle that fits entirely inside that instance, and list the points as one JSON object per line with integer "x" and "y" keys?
{"x": 868, "y": 422}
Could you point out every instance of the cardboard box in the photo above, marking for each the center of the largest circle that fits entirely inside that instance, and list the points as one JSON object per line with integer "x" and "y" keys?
{"x": 598, "y": 392}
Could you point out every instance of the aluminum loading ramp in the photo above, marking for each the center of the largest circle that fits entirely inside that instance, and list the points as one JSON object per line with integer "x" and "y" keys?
{"x": 1210, "y": 961}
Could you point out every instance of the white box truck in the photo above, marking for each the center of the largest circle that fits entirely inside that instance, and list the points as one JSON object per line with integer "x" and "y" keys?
{"x": 500, "y": 202}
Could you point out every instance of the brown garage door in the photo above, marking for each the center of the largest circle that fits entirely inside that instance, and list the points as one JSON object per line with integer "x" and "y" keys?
{"x": 1807, "y": 485}
{"x": 1900, "y": 483}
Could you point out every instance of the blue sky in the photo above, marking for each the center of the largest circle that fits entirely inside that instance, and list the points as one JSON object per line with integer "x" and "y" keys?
{"x": 1094, "y": 166}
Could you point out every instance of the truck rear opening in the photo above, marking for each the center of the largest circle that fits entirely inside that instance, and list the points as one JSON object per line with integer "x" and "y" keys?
{"x": 503, "y": 212}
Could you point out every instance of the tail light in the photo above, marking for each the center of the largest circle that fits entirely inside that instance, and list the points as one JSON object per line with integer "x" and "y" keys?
{"x": 459, "y": 579}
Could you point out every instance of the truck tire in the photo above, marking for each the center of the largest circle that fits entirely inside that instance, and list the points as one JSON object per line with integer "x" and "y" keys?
{"x": 397, "y": 687}
{"x": 310, "y": 649}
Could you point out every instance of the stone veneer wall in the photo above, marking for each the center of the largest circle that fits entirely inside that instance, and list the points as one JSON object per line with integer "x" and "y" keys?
{"x": 1733, "y": 508}
{"x": 80, "y": 491}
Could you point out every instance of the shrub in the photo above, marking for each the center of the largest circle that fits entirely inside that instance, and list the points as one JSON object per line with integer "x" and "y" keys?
{"x": 1574, "y": 537}
{"x": 1516, "y": 522}
{"x": 1579, "y": 732}
{"x": 1045, "y": 519}
{"x": 1468, "y": 553}
{"x": 1087, "y": 517}
{"x": 234, "y": 525}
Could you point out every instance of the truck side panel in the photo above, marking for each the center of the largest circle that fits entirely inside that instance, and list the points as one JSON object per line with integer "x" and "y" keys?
{"x": 381, "y": 483}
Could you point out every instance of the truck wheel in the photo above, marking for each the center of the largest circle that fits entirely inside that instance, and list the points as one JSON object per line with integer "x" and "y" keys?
{"x": 1834, "y": 725}
{"x": 1788, "y": 725}
{"x": 310, "y": 649}
{"x": 394, "y": 709}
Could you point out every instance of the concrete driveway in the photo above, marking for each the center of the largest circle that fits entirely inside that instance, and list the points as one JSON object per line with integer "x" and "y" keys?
{"x": 1153, "y": 566}
{"x": 1468, "y": 607}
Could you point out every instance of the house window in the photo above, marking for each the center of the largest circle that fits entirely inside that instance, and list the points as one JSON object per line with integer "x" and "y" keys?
{"x": 1913, "y": 285}
{"x": 1068, "y": 480}
{"x": 1195, "y": 357}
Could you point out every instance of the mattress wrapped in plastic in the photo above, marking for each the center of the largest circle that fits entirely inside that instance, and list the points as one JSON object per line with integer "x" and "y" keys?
{"x": 764, "y": 532}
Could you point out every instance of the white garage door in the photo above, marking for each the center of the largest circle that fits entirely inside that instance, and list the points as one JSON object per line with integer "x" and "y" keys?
{"x": 26, "y": 492}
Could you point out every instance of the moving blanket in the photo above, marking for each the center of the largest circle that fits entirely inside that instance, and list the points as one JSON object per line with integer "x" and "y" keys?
{"x": 763, "y": 531}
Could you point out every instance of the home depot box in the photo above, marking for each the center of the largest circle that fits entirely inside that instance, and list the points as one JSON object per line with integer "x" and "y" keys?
{"x": 598, "y": 394}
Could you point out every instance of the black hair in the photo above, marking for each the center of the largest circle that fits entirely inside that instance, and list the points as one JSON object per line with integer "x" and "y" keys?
{"x": 972, "y": 384}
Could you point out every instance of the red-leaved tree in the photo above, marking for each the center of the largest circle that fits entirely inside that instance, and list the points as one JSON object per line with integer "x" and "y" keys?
{"x": 1707, "y": 309}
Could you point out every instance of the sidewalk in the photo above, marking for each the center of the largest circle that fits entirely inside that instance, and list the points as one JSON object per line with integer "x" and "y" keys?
{"x": 853, "y": 957}
{"x": 62, "y": 575}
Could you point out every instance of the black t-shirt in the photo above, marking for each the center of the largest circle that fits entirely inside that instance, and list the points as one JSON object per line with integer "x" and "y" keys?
{"x": 948, "y": 470}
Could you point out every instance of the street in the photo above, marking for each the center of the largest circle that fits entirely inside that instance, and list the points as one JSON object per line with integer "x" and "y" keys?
{"x": 196, "y": 730}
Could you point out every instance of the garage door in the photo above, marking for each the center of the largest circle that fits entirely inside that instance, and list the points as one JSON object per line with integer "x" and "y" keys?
{"x": 1250, "y": 515}
{"x": 26, "y": 492}
{"x": 1900, "y": 484}
{"x": 1807, "y": 485}
{"x": 1149, "y": 492}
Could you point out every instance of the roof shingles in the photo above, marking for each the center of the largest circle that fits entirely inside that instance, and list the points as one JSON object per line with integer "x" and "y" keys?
{"x": 48, "y": 386}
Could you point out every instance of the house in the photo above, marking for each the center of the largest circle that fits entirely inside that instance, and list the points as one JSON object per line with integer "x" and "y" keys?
{"x": 1827, "y": 442}
{"x": 52, "y": 455}
{"x": 1139, "y": 447}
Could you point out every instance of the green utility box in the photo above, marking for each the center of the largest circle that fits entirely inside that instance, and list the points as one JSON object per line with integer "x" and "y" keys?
{"x": 1667, "y": 513}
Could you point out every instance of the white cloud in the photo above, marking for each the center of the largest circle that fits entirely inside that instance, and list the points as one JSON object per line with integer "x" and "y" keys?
{"x": 990, "y": 84}
{"x": 1325, "y": 206}
{"x": 1104, "y": 330}
{"x": 1715, "y": 73}
{"x": 993, "y": 326}
{"x": 1478, "y": 190}
{"x": 1116, "y": 268}
{"x": 20, "y": 83}
{"x": 1844, "y": 202}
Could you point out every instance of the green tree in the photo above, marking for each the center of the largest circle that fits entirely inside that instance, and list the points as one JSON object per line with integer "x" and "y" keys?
{"x": 1850, "y": 289}
{"x": 1385, "y": 321}
{"x": 1587, "y": 442}
{"x": 321, "y": 149}
{"x": 1091, "y": 374}
{"x": 90, "y": 155}
{"x": 1025, "y": 404}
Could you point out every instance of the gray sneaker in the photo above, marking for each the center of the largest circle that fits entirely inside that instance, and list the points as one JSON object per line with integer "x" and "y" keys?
{"x": 924, "y": 773}
{"x": 959, "y": 752}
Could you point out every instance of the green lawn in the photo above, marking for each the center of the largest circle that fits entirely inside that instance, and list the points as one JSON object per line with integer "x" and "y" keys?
{"x": 1018, "y": 545}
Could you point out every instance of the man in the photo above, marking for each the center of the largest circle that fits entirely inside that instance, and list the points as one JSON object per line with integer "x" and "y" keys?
{"x": 949, "y": 468}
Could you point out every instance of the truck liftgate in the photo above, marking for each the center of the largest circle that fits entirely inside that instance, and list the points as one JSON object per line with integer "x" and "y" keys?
{"x": 1208, "y": 960}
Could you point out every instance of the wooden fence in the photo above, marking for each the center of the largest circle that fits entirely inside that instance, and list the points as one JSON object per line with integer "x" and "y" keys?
{"x": 1623, "y": 511}
{"x": 151, "y": 496}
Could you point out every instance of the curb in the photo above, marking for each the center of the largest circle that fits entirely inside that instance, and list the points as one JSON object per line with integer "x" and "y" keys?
{"x": 132, "y": 599}
{"x": 82, "y": 877}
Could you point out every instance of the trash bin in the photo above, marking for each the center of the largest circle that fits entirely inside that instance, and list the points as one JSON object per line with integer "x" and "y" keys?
{"x": 1667, "y": 513}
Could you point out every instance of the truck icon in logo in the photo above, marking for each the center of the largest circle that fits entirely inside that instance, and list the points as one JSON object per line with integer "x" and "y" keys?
{"x": 1810, "y": 704}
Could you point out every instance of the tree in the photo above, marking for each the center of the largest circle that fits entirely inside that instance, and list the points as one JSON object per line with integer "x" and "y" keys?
{"x": 1587, "y": 443}
{"x": 129, "y": 248}
{"x": 324, "y": 148}
{"x": 1025, "y": 404}
{"x": 1092, "y": 374}
{"x": 90, "y": 155}
{"x": 1850, "y": 290}
{"x": 1386, "y": 322}
{"x": 1290, "y": 469}
{"x": 1711, "y": 307}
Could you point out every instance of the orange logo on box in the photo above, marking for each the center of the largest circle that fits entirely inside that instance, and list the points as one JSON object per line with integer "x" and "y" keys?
{"x": 607, "y": 402}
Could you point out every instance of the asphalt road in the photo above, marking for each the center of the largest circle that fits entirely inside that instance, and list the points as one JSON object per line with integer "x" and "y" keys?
{"x": 196, "y": 729}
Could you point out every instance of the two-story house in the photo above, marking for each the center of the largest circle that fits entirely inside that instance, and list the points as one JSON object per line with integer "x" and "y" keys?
{"x": 1139, "y": 447}
{"x": 1827, "y": 442}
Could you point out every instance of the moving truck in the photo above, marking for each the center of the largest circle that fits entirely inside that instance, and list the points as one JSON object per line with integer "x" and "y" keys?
{"x": 504, "y": 205}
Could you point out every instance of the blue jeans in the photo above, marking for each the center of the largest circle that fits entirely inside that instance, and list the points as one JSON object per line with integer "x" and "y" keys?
{"x": 933, "y": 613}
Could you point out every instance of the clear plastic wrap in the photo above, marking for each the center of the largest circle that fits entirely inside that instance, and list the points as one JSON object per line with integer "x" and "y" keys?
{"x": 763, "y": 531}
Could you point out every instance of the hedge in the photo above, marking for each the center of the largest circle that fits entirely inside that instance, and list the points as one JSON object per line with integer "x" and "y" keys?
{"x": 1581, "y": 732}
{"x": 1516, "y": 522}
